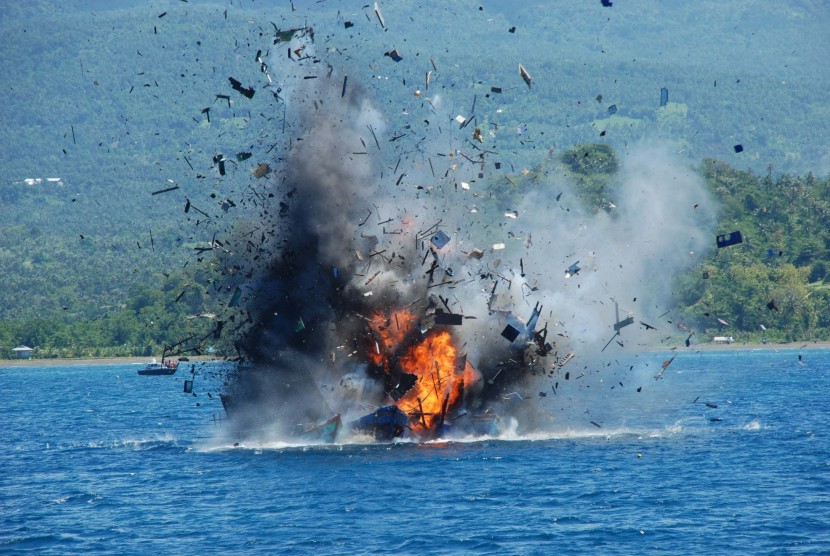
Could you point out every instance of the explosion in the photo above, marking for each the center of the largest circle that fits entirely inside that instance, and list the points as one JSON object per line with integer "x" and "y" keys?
{"x": 373, "y": 305}
{"x": 425, "y": 374}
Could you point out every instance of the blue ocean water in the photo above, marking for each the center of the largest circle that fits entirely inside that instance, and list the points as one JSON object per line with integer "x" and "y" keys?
{"x": 97, "y": 459}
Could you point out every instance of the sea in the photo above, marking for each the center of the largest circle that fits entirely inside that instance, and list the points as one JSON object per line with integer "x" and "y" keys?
{"x": 727, "y": 453}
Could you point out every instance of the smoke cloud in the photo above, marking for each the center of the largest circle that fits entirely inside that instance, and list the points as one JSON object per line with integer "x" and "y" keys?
{"x": 349, "y": 235}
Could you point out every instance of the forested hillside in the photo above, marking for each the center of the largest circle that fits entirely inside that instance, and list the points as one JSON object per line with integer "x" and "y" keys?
{"x": 124, "y": 101}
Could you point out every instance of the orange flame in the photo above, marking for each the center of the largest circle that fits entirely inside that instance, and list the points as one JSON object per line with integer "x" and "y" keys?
{"x": 440, "y": 379}
{"x": 389, "y": 332}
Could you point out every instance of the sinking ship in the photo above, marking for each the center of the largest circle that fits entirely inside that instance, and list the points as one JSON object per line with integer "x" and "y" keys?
{"x": 422, "y": 387}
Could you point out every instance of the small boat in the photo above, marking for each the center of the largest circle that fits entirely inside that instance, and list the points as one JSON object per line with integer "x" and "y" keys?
{"x": 163, "y": 368}
{"x": 323, "y": 433}
{"x": 385, "y": 424}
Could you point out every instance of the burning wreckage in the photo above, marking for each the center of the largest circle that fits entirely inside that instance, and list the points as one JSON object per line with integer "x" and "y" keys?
{"x": 365, "y": 309}
{"x": 404, "y": 361}
{"x": 352, "y": 331}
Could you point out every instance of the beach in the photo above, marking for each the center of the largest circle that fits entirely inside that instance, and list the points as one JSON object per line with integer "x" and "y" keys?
{"x": 709, "y": 346}
{"x": 61, "y": 362}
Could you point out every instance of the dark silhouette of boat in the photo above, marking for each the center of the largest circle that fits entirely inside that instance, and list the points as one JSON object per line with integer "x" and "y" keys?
{"x": 385, "y": 424}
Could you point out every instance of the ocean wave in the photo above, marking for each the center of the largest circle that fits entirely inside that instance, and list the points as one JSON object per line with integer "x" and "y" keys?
{"x": 510, "y": 434}
{"x": 80, "y": 498}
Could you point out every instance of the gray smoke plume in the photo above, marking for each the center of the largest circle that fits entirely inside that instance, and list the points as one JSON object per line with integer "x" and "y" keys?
{"x": 350, "y": 234}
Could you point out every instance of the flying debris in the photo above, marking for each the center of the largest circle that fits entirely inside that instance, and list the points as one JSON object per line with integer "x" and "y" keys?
{"x": 380, "y": 16}
{"x": 261, "y": 170}
{"x": 450, "y": 319}
{"x": 237, "y": 86}
{"x": 160, "y": 191}
{"x": 620, "y": 324}
{"x": 440, "y": 239}
{"x": 525, "y": 75}
{"x": 237, "y": 294}
{"x": 664, "y": 366}
{"x": 519, "y": 333}
{"x": 510, "y": 333}
{"x": 349, "y": 283}
{"x": 732, "y": 238}
{"x": 219, "y": 161}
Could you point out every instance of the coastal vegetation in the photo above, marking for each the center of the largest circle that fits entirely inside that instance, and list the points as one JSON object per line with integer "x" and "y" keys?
{"x": 112, "y": 102}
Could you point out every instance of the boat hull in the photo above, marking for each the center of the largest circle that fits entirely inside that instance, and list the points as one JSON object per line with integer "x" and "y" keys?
{"x": 154, "y": 371}
{"x": 324, "y": 433}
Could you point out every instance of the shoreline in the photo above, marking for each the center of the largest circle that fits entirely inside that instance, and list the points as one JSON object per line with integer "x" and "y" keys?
{"x": 88, "y": 361}
{"x": 131, "y": 360}
{"x": 739, "y": 346}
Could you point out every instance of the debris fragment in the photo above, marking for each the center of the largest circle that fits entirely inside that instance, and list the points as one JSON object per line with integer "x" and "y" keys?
{"x": 510, "y": 333}
{"x": 450, "y": 319}
{"x": 160, "y": 191}
{"x": 525, "y": 75}
{"x": 219, "y": 160}
{"x": 572, "y": 270}
{"x": 665, "y": 366}
{"x": 738, "y": 148}
{"x": 619, "y": 325}
{"x": 440, "y": 239}
{"x": 732, "y": 238}
{"x": 380, "y": 16}
{"x": 237, "y": 86}
{"x": 261, "y": 170}
{"x": 664, "y": 97}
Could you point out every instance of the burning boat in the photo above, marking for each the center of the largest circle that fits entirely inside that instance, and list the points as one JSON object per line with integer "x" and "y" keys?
{"x": 422, "y": 385}
{"x": 370, "y": 301}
